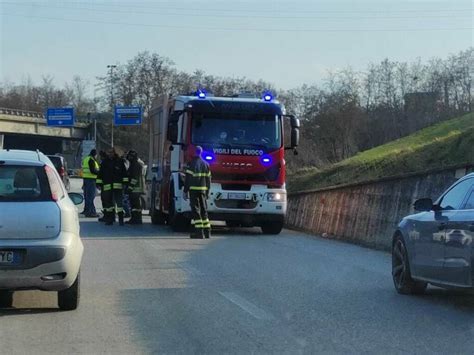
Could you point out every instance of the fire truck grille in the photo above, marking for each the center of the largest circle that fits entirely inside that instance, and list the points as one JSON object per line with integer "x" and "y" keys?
{"x": 237, "y": 204}
{"x": 235, "y": 175}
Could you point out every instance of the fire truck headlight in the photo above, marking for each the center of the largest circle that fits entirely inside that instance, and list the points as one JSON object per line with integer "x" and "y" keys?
{"x": 276, "y": 197}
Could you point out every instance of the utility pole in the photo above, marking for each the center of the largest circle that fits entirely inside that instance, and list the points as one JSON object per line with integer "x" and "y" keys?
{"x": 95, "y": 124}
{"x": 112, "y": 103}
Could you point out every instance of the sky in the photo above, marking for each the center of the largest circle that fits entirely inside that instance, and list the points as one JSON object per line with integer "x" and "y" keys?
{"x": 285, "y": 42}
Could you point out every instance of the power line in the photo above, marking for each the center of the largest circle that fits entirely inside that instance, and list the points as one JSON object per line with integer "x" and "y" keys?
{"x": 253, "y": 10}
{"x": 248, "y": 29}
{"x": 238, "y": 16}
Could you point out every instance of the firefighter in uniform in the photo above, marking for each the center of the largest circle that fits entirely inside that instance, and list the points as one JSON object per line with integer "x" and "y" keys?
{"x": 113, "y": 177}
{"x": 196, "y": 187}
{"x": 136, "y": 186}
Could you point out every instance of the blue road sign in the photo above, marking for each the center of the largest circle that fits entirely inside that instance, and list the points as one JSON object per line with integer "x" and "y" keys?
{"x": 128, "y": 115}
{"x": 60, "y": 116}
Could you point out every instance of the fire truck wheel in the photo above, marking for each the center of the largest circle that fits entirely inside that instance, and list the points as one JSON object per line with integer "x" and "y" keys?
{"x": 272, "y": 228}
{"x": 6, "y": 298}
{"x": 157, "y": 217}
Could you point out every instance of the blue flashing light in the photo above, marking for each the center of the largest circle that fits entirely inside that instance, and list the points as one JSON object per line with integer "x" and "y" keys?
{"x": 209, "y": 157}
{"x": 266, "y": 160}
{"x": 201, "y": 93}
{"x": 267, "y": 96}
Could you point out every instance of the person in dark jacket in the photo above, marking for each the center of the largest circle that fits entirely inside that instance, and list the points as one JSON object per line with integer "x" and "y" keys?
{"x": 196, "y": 186}
{"x": 90, "y": 169}
{"x": 102, "y": 157}
{"x": 113, "y": 176}
{"x": 136, "y": 186}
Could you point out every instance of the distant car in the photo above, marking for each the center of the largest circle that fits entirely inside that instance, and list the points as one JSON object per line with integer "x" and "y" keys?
{"x": 436, "y": 245}
{"x": 40, "y": 246}
{"x": 61, "y": 166}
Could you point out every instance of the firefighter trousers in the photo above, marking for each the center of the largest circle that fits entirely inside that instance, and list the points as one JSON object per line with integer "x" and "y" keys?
{"x": 200, "y": 218}
{"x": 136, "y": 207}
{"x": 113, "y": 201}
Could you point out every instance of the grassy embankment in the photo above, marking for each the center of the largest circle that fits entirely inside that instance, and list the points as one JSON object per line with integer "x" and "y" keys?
{"x": 447, "y": 143}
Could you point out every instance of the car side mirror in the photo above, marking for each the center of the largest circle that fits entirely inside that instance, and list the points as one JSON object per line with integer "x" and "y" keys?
{"x": 76, "y": 198}
{"x": 423, "y": 204}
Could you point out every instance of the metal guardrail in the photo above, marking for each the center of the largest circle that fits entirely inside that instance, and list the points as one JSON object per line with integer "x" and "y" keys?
{"x": 23, "y": 113}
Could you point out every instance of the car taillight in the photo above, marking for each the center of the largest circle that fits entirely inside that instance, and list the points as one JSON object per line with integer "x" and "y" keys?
{"x": 53, "y": 183}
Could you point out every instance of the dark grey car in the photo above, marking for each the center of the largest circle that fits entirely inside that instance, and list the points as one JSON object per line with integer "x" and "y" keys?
{"x": 436, "y": 245}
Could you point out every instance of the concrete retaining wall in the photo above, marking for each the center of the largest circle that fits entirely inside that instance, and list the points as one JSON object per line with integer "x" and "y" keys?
{"x": 366, "y": 213}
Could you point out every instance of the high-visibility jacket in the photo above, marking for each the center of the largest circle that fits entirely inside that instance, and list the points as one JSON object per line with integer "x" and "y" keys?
{"x": 112, "y": 174}
{"x": 136, "y": 176}
{"x": 90, "y": 168}
{"x": 198, "y": 176}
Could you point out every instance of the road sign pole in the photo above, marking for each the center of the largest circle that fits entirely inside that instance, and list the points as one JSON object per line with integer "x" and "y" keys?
{"x": 112, "y": 103}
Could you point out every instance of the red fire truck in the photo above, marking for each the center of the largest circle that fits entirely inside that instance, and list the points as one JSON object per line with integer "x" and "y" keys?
{"x": 243, "y": 142}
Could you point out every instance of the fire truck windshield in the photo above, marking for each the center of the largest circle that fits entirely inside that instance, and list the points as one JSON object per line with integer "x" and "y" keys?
{"x": 259, "y": 131}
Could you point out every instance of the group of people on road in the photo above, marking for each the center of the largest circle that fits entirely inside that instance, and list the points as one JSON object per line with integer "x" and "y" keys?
{"x": 116, "y": 177}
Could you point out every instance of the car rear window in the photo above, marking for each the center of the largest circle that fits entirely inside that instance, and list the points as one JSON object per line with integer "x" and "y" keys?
{"x": 20, "y": 183}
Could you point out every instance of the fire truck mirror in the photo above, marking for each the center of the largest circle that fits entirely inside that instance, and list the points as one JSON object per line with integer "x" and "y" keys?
{"x": 295, "y": 123}
{"x": 295, "y": 137}
{"x": 172, "y": 133}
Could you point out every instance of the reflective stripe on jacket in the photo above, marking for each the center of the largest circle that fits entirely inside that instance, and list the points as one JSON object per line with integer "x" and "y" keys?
{"x": 136, "y": 176}
{"x": 86, "y": 171}
{"x": 198, "y": 176}
{"x": 112, "y": 174}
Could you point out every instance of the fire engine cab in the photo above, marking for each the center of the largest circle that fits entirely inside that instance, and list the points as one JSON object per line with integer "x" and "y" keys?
{"x": 243, "y": 142}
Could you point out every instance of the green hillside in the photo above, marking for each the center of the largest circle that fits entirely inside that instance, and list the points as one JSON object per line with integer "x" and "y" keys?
{"x": 444, "y": 144}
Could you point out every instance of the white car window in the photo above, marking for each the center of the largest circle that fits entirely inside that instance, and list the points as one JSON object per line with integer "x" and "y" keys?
{"x": 23, "y": 183}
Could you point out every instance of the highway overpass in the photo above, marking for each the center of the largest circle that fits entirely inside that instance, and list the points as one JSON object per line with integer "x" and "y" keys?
{"x": 20, "y": 129}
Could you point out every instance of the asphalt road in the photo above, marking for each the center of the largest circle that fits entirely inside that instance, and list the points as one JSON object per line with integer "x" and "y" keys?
{"x": 147, "y": 290}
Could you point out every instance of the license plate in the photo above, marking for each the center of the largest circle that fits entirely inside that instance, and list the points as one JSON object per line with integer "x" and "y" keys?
{"x": 235, "y": 196}
{"x": 7, "y": 257}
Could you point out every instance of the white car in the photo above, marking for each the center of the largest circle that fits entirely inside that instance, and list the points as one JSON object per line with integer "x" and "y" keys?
{"x": 40, "y": 246}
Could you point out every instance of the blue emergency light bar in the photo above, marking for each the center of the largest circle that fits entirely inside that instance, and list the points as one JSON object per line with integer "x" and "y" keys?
{"x": 201, "y": 93}
{"x": 267, "y": 96}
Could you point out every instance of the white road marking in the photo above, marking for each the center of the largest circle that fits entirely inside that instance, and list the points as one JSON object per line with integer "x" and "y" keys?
{"x": 247, "y": 306}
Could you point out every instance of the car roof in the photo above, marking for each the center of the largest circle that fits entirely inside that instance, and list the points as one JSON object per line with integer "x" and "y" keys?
{"x": 24, "y": 157}
{"x": 56, "y": 157}
{"x": 468, "y": 176}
